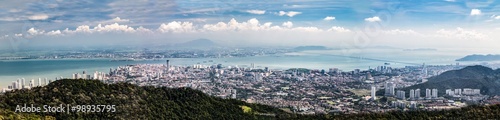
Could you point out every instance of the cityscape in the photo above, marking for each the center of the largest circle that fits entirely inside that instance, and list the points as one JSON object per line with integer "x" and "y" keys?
{"x": 215, "y": 59}
{"x": 297, "y": 90}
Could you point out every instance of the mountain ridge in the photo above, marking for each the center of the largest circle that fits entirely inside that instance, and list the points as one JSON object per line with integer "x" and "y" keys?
{"x": 475, "y": 77}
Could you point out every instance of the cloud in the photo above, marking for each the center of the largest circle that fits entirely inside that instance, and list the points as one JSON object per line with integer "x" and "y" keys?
{"x": 53, "y": 33}
{"x": 339, "y": 29}
{"x": 33, "y": 31}
{"x": 399, "y": 32}
{"x": 258, "y": 12}
{"x": 289, "y": 13}
{"x": 496, "y": 17}
{"x": 233, "y": 25}
{"x": 38, "y": 17}
{"x": 118, "y": 19}
{"x": 373, "y": 19}
{"x": 18, "y": 35}
{"x": 184, "y": 27}
{"x": 113, "y": 28}
{"x": 449, "y": 0}
{"x": 287, "y": 24}
{"x": 328, "y": 18}
{"x": 82, "y": 29}
{"x": 307, "y": 29}
{"x": 475, "y": 12}
{"x": 176, "y": 27}
{"x": 461, "y": 33}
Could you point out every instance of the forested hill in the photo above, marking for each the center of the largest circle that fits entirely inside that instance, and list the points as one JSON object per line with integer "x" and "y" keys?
{"x": 476, "y": 77}
{"x": 134, "y": 102}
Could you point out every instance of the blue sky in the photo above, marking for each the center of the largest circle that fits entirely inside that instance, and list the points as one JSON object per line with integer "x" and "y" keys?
{"x": 276, "y": 22}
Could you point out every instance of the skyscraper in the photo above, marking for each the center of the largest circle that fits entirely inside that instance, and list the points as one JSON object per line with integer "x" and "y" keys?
{"x": 373, "y": 93}
{"x": 14, "y": 85}
{"x": 96, "y": 75}
{"x": 32, "y": 83}
{"x": 18, "y": 84}
{"x": 389, "y": 89}
{"x": 39, "y": 81}
{"x": 75, "y": 76}
{"x": 401, "y": 94}
{"x": 434, "y": 93}
{"x": 428, "y": 93}
{"x": 412, "y": 94}
{"x": 168, "y": 64}
{"x": 417, "y": 94}
{"x": 24, "y": 83}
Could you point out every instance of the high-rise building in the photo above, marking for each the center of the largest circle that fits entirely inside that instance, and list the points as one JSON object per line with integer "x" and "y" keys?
{"x": 434, "y": 93}
{"x": 458, "y": 91}
{"x": 45, "y": 82}
{"x": 96, "y": 75}
{"x": 32, "y": 83}
{"x": 417, "y": 94}
{"x": 168, "y": 64}
{"x": 76, "y": 76}
{"x": 428, "y": 93}
{"x": 412, "y": 94}
{"x": 389, "y": 89}
{"x": 14, "y": 85}
{"x": 18, "y": 84}
{"x": 373, "y": 93}
{"x": 233, "y": 94}
{"x": 401, "y": 94}
{"x": 39, "y": 81}
{"x": 24, "y": 83}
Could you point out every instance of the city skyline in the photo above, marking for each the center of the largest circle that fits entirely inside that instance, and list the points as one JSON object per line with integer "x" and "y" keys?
{"x": 413, "y": 24}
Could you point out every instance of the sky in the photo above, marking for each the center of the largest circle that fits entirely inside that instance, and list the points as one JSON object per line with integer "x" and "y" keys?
{"x": 334, "y": 23}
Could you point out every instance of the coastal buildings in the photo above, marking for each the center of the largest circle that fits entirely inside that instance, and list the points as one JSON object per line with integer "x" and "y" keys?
{"x": 401, "y": 95}
{"x": 389, "y": 89}
{"x": 302, "y": 91}
{"x": 428, "y": 94}
{"x": 417, "y": 94}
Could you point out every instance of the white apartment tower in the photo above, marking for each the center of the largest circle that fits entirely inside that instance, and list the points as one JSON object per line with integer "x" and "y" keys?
{"x": 373, "y": 93}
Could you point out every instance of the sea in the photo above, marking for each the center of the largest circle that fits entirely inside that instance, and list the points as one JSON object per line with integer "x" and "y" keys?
{"x": 343, "y": 59}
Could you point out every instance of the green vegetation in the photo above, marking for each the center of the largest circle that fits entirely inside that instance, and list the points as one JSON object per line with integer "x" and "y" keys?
{"x": 134, "y": 102}
{"x": 360, "y": 92}
{"x": 475, "y": 77}
{"x": 10, "y": 115}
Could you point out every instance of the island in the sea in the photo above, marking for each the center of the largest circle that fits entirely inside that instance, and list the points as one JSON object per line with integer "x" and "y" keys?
{"x": 421, "y": 49}
{"x": 476, "y": 57}
{"x": 304, "y": 48}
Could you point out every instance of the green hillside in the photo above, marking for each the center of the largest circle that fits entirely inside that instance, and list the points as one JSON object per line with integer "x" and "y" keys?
{"x": 476, "y": 77}
{"x": 134, "y": 102}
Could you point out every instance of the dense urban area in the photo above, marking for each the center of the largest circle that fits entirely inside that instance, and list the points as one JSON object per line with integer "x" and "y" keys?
{"x": 296, "y": 90}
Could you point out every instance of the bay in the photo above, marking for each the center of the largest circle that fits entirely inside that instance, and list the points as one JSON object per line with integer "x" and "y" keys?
{"x": 345, "y": 59}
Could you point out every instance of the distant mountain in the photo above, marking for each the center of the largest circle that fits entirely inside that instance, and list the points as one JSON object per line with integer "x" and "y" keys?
{"x": 303, "y": 48}
{"x": 421, "y": 49}
{"x": 476, "y": 77}
{"x": 476, "y": 57}
{"x": 198, "y": 43}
